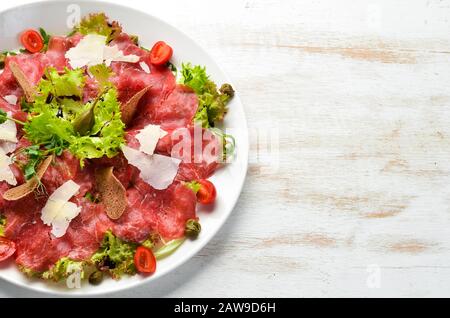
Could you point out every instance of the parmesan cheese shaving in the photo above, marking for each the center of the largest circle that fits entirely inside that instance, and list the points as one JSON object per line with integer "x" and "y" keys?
{"x": 92, "y": 50}
{"x": 11, "y": 99}
{"x": 156, "y": 170}
{"x": 8, "y": 130}
{"x": 145, "y": 67}
{"x": 89, "y": 51}
{"x": 112, "y": 53}
{"x": 148, "y": 138}
{"x": 58, "y": 211}
{"x": 8, "y": 146}
{"x": 6, "y": 174}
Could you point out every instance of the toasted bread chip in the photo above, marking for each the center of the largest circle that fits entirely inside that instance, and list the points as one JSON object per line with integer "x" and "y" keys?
{"x": 112, "y": 192}
{"x": 23, "y": 81}
{"x": 129, "y": 108}
{"x": 26, "y": 188}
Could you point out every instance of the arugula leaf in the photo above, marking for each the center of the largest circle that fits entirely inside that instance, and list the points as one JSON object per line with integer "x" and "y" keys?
{"x": 172, "y": 68}
{"x": 3, "y": 116}
{"x": 46, "y": 39}
{"x": 211, "y": 102}
{"x": 91, "y": 197}
{"x": 97, "y": 23}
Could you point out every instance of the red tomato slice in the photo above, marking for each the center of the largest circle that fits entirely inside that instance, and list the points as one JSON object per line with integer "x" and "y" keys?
{"x": 32, "y": 41}
{"x": 207, "y": 192}
{"x": 144, "y": 260}
{"x": 7, "y": 248}
{"x": 160, "y": 53}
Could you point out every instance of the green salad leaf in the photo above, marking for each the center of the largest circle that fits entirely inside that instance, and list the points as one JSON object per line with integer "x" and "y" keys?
{"x": 63, "y": 268}
{"x": 58, "y": 111}
{"x": 46, "y": 126}
{"x": 115, "y": 256}
{"x": 193, "y": 185}
{"x": 169, "y": 248}
{"x": 102, "y": 74}
{"x": 212, "y": 102}
{"x": 2, "y": 225}
{"x": 97, "y": 23}
{"x": 45, "y": 37}
{"x": 107, "y": 133}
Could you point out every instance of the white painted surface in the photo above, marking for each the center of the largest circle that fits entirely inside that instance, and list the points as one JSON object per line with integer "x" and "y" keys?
{"x": 360, "y": 93}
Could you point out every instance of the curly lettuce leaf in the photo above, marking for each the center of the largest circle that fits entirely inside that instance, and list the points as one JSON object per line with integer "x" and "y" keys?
{"x": 69, "y": 83}
{"x": 59, "y": 89}
{"x": 63, "y": 268}
{"x": 115, "y": 256}
{"x": 102, "y": 74}
{"x": 44, "y": 127}
{"x": 107, "y": 134}
{"x": 211, "y": 102}
{"x": 97, "y": 23}
{"x": 58, "y": 110}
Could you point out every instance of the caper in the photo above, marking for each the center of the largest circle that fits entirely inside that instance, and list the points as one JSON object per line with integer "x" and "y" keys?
{"x": 227, "y": 89}
{"x": 96, "y": 278}
{"x": 192, "y": 228}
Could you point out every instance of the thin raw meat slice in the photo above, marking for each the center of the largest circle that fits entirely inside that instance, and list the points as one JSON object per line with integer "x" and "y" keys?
{"x": 127, "y": 46}
{"x": 177, "y": 110}
{"x": 178, "y": 206}
{"x": 32, "y": 65}
{"x": 55, "y": 54}
{"x": 15, "y": 110}
{"x": 129, "y": 80}
{"x": 197, "y": 162}
{"x": 35, "y": 248}
{"x": 139, "y": 219}
{"x": 173, "y": 110}
{"x": 20, "y": 213}
{"x": 86, "y": 231}
{"x": 65, "y": 167}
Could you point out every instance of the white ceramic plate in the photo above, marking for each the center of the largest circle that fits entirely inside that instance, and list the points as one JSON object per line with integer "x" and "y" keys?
{"x": 52, "y": 16}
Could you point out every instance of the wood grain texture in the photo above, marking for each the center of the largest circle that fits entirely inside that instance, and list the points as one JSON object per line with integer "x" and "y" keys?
{"x": 358, "y": 94}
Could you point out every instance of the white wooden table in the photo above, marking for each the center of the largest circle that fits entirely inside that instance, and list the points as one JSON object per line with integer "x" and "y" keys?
{"x": 356, "y": 201}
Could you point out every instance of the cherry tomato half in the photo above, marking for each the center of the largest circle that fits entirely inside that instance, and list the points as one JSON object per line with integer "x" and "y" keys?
{"x": 207, "y": 192}
{"x": 32, "y": 40}
{"x": 7, "y": 248}
{"x": 144, "y": 260}
{"x": 160, "y": 53}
